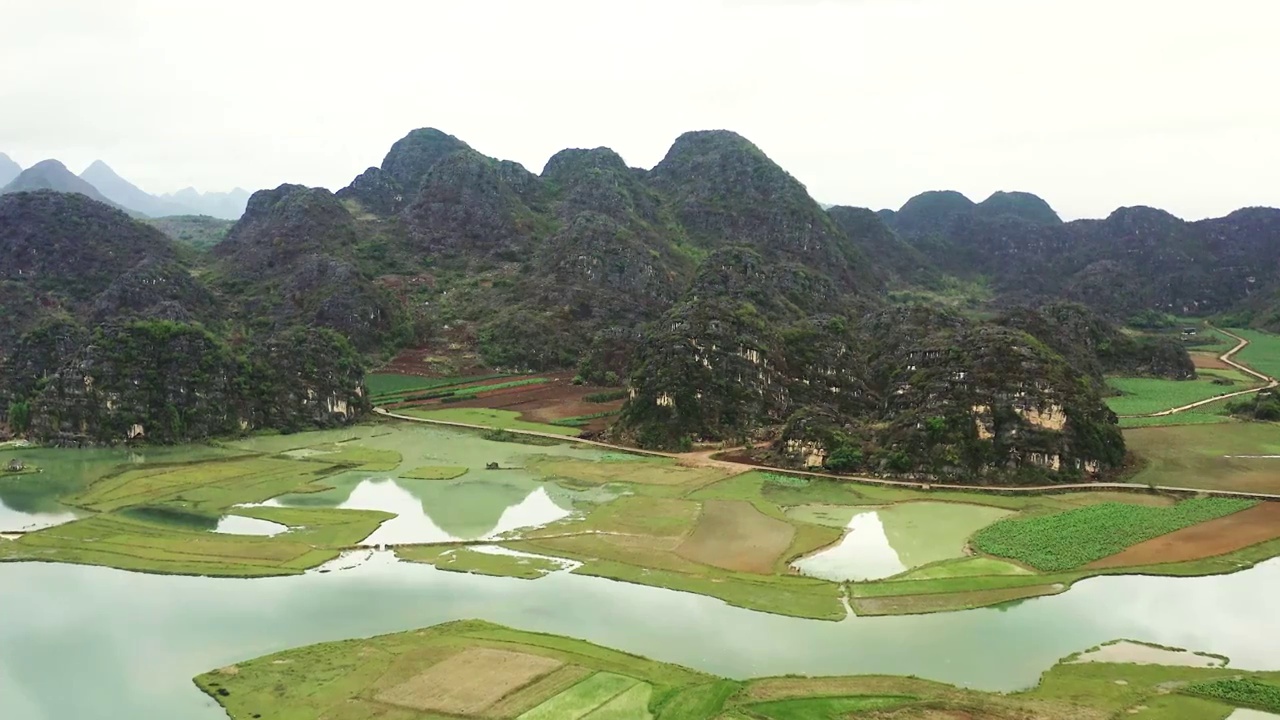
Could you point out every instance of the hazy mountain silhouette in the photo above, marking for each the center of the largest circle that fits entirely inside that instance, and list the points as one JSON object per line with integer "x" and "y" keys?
{"x": 128, "y": 195}
{"x": 8, "y": 170}
{"x": 53, "y": 175}
{"x": 226, "y": 205}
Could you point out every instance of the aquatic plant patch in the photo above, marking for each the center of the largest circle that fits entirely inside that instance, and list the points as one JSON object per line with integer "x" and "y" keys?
{"x": 1241, "y": 692}
{"x": 1071, "y": 539}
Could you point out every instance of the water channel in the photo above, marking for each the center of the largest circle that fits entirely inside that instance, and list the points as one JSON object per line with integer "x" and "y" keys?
{"x": 89, "y": 642}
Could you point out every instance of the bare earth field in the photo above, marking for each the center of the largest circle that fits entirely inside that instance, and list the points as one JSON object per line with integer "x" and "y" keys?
{"x": 1216, "y": 537}
{"x": 734, "y": 535}
{"x": 556, "y": 399}
{"x": 470, "y": 681}
{"x": 1208, "y": 361}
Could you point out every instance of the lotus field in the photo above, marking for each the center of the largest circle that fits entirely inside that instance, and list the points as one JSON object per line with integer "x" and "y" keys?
{"x": 1071, "y": 539}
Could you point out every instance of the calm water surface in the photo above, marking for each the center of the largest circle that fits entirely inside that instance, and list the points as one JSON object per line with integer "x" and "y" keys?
{"x": 87, "y": 642}
{"x": 129, "y": 644}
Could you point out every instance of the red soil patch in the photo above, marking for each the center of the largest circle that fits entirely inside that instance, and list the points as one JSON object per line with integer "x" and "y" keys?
{"x": 556, "y": 399}
{"x": 1209, "y": 539}
{"x": 1208, "y": 361}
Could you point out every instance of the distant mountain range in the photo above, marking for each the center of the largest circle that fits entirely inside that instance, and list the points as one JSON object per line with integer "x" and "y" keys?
{"x": 53, "y": 175}
{"x": 103, "y": 184}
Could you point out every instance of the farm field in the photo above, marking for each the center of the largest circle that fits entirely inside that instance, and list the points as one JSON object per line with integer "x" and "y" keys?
{"x": 690, "y": 524}
{"x": 497, "y": 419}
{"x": 1211, "y": 457}
{"x": 550, "y": 399}
{"x": 1071, "y": 539}
{"x": 1143, "y": 396}
{"x": 474, "y": 669}
{"x": 1263, "y": 352}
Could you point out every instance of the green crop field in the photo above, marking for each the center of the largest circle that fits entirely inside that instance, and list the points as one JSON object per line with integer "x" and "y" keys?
{"x": 417, "y": 674}
{"x": 1240, "y": 692}
{"x": 1143, "y": 396}
{"x": 1263, "y": 352}
{"x": 1200, "y": 416}
{"x": 389, "y": 383}
{"x": 1071, "y": 539}
{"x": 830, "y": 707}
{"x": 121, "y": 542}
{"x": 497, "y": 419}
{"x": 202, "y": 486}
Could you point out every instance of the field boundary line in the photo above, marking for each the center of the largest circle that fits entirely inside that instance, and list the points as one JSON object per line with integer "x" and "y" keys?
{"x": 911, "y": 484}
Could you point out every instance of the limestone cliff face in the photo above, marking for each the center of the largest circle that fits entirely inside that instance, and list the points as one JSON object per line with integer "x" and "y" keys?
{"x": 954, "y": 399}
{"x": 166, "y": 382}
{"x": 157, "y": 382}
{"x": 307, "y": 378}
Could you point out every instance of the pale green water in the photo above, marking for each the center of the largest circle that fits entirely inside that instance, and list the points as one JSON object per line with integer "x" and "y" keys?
{"x": 887, "y": 541}
{"x": 86, "y": 642}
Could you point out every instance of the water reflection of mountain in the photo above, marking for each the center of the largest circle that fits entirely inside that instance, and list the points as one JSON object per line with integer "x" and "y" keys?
{"x": 469, "y": 508}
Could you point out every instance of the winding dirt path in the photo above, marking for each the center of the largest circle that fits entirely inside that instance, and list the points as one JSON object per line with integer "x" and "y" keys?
{"x": 703, "y": 459}
{"x": 1229, "y": 358}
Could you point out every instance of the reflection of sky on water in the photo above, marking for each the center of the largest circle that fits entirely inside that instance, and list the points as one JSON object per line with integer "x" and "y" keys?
{"x": 863, "y": 554}
{"x": 138, "y": 639}
{"x": 239, "y": 525}
{"x": 487, "y": 515}
{"x": 14, "y": 520}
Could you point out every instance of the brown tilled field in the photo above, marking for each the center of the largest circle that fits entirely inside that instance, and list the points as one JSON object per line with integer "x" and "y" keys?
{"x": 734, "y": 535}
{"x": 1208, "y": 361}
{"x": 556, "y": 399}
{"x": 469, "y": 682}
{"x": 1209, "y": 539}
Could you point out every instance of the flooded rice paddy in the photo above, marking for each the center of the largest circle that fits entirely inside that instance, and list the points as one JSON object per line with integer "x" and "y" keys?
{"x": 887, "y": 541}
{"x": 130, "y": 643}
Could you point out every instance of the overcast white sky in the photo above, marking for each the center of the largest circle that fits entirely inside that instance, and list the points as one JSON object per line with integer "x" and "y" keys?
{"x": 1091, "y": 104}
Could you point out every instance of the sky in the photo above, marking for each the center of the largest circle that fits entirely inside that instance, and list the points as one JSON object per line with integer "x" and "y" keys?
{"x": 1091, "y": 104}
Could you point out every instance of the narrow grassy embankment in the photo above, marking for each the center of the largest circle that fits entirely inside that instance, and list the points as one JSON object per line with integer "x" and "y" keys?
{"x": 483, "y": 417}
{"x": 465, "y": 560}
{"x": 472, "y": 669}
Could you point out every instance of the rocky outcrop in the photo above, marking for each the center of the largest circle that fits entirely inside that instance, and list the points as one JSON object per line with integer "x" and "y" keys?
{"x": 1095, "y": 347}
{"x": 376, "y": 191}
{"x": 725, "y": 191}
{"x": 473, "y": 206}
{"x": 165, "y": 382}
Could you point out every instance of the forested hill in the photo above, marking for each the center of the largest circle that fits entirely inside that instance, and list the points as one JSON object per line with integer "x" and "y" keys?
{"x": 1137, "y": 261}
{"x": 732, "y": 304}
